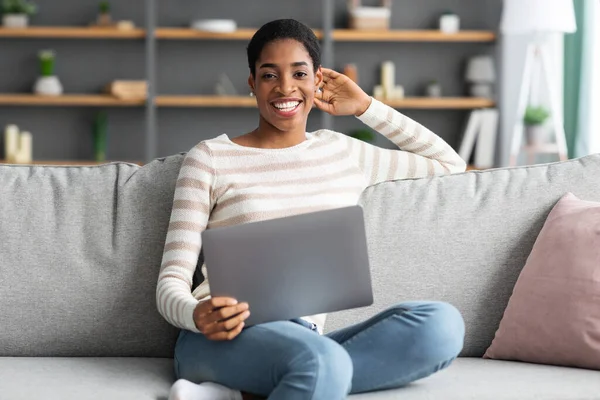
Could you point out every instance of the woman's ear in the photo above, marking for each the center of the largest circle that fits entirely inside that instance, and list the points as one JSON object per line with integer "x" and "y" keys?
{"x": 251, "y": 83}
{"x": 318, "y": 78}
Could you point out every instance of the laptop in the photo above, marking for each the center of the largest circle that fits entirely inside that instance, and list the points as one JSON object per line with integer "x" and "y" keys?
{"x": 290, "y": 267}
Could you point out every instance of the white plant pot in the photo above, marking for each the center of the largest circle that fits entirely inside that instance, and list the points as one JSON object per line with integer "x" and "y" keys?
{"x": 537, "y": 135}
{"x": 433, "y": 90}
{"x": 48, "y": 86}
{"x": 15, "y": 20}
{"x": 449, "y": 23}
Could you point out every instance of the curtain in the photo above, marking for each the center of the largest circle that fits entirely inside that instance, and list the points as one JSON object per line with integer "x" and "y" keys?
{"x": 582, "y": 80}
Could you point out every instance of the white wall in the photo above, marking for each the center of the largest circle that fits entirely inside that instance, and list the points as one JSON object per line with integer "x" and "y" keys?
{"x": 512, "y": 60}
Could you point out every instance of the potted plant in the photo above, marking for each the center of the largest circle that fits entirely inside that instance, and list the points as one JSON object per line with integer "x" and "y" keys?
{"x": 48, "y": 83}
{"x": 104, "y": 18}
{"x": 534, "y": 120}
{"x": 16, "y": 13}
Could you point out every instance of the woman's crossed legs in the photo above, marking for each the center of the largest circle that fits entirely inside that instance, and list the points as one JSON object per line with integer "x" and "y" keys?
{"x": 284, "y": 360}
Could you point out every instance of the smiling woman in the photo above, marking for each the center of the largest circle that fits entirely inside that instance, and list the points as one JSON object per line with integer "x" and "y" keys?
{"x": 277, "y": 170}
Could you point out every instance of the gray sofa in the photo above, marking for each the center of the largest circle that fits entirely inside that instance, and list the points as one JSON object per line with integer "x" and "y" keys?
{"x": 80, "y": 249}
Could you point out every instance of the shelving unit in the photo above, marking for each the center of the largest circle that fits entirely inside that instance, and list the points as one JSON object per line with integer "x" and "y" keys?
{"x": 151, "y": 34}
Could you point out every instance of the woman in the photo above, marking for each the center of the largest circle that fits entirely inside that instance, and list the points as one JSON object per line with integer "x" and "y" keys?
{"x": 279, "y": 170}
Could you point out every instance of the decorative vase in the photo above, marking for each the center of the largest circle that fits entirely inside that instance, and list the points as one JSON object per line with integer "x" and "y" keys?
{"x": 15, "y": 20}
{"x": 433, "y": 89}
{"x": 48, "y": 86}
{"x": 449, "y": 23}
{"x": 537, "y": 135}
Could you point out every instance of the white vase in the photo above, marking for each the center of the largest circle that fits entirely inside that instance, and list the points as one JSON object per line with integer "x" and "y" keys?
{"x": 15, "y": 20}
{"x": 449, "y": 23}
{"x": 537, "y": 135}
{"x": 48, "y": 86}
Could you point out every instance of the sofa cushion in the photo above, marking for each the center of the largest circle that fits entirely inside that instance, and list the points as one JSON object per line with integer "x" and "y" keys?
{"x": 553, "y": 315}
{"x": 477, "y": 379}
{"x": 463, "y": 238}
{"x": 147, "y": 378}
{"x": 80, "y": 254}
{"x": 81, "y": 378}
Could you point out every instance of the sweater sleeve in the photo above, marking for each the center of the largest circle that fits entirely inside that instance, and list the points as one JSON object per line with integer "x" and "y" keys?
{"x": 420, "y": 152}
{"x": 192, "y": 203}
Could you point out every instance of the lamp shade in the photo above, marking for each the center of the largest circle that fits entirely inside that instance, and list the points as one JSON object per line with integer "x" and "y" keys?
{"x": 480, "y": 69}
{"x": 538, "y": 16}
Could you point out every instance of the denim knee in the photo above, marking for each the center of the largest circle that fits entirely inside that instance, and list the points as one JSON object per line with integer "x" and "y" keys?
{"x": 443, "y": 332}
{"x": 330, "y": 367}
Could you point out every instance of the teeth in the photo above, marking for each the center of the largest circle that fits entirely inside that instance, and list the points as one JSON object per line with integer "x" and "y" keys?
{"x": 287, "y": 106}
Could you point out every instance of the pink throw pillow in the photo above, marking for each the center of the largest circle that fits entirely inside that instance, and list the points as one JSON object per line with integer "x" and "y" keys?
{"x": 553, "y": 315}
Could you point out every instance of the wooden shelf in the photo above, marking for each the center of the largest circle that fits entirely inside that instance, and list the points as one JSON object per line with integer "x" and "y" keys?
{"x": 449, "y": 103}
{"x": 351, "y": 35}
{"x": 342, "y": 35}
{"x": 75, "y": 163}
{"x": 187, "y": 33}
{"x": 100, "y": 100}
{"x": 83, "y": 100}
{"x": 205, "y": 101}
{"x": 242, "y": 101}
{"x": 348, "y": 35}
{"x": 72, "y": 33}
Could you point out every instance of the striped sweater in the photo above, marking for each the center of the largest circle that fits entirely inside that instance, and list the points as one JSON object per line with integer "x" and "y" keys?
{"x": 222, "y": 183}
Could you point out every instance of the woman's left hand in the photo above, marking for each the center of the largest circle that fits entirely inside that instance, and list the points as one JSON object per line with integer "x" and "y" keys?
{"x": 340, "y": 95}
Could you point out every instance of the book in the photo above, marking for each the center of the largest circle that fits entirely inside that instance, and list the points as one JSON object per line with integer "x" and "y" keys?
{"x": 471, "y": 132}
{"x": 485, "y": 149}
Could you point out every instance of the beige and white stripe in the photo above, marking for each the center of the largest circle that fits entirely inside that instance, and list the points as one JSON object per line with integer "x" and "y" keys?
{"x": 222, "y": 184}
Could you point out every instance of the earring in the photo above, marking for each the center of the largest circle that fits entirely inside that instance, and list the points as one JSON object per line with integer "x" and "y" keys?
{"x": 251, "y": 94}
{"x": 318, "y": 90}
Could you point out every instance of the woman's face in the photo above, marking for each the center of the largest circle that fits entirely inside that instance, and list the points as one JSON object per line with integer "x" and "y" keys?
{"x": 285, "y": 84}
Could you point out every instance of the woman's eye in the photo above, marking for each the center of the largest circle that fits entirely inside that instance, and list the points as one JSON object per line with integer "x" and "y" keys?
{"x": 269, "y": 76}
{"x": 301, "y": 74}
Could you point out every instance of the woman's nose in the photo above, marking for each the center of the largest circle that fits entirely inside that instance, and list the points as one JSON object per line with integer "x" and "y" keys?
{"x": 286, "y": 86}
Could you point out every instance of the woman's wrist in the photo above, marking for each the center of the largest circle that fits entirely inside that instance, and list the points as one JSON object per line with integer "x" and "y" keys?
{"x": 364, "y": 105}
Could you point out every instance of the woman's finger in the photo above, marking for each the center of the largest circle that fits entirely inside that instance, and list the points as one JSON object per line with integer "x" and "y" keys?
{"x": 323, "y": 106}
{"x": 227, "y": 325}
{"x": 329, "y": 73}
{"x": 224, "y": 313}
{"x": 228, "y": 335}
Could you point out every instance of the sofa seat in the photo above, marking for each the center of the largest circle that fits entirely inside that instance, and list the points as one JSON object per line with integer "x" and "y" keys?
{"x": 85, "y": 378}
{"x": 150, "y": 378}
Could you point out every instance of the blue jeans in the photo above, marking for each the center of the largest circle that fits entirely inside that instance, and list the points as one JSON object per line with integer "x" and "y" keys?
{"x": 285, "y": 360}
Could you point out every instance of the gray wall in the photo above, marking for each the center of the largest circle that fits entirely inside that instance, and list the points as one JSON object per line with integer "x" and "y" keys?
{"x": 191, "y": 67}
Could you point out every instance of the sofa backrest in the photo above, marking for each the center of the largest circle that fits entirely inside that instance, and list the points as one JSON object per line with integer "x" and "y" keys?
{"x": 463, "y": 238}
{"x": 80, "y": 252}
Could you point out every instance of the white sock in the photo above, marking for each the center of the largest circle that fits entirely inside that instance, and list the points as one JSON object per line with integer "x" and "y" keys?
{"x": 186, "y": 390}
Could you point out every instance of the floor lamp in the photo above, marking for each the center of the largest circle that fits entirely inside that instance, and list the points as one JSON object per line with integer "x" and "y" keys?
{"x": 537, "y": 18}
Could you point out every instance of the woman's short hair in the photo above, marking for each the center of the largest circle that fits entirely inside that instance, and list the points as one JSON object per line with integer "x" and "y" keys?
{"x": 283, "y": 29}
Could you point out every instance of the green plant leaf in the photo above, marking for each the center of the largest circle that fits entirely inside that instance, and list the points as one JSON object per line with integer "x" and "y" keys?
{"x": 535, "y": 115}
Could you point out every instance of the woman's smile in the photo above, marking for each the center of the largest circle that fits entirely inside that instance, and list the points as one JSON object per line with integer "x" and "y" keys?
{"x": 287, "y": 107}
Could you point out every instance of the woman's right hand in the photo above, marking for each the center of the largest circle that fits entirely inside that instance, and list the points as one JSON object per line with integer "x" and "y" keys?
{"x": 220, "y": 318}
